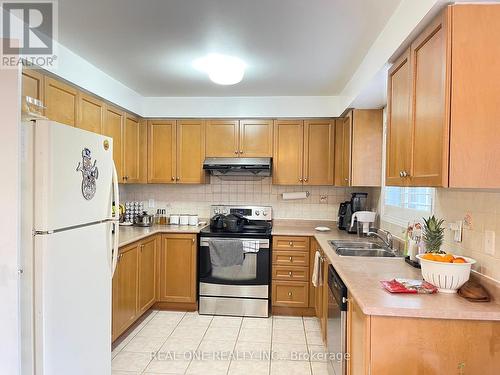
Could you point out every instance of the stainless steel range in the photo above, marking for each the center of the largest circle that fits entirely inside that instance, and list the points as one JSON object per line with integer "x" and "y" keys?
{"x": 235, "y": 261}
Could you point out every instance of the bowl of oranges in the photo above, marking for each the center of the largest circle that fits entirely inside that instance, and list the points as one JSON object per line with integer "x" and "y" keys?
{"x": 447, "y": 272}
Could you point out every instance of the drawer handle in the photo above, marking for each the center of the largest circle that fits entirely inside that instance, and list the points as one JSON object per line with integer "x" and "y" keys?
{"x": 291, "y": 259}
{"x": 290, "y": 243}
{"x": 290, "y": 274}
{"x": 290, "y": 294}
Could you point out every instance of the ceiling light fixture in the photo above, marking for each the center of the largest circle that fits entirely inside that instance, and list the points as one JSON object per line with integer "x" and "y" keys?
{"x": 221, "y": 69}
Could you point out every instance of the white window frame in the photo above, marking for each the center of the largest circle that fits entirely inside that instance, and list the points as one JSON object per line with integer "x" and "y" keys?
{"x": 393, "y": 214}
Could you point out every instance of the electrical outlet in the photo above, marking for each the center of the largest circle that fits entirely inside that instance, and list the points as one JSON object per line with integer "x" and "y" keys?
{"x": 456, "y": 228}
{"x": 468, "y": 221}
{"x": 323, "y": 199}
{"x": 489, "y": 242}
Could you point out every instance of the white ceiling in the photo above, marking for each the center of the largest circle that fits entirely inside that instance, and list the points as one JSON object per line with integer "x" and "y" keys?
{"x": 291, "y": 47}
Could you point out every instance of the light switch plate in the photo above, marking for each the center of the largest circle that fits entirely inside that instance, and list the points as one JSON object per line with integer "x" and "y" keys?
{"x": 489, "y": 242}
{"x": 456, "y": 228}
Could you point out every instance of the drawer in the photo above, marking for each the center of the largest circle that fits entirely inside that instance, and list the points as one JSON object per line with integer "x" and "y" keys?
{"x": 290, "y": 258}
{"x": 291, "y": 273}
{"x": 290, "y": 243}
{"x": 290, "y": 293}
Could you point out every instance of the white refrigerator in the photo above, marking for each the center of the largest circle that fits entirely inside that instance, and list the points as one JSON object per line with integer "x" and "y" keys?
{"x": 67, "y": 260}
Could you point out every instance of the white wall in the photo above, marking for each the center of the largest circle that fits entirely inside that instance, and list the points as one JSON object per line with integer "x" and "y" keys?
{"x": 10, "y": 94}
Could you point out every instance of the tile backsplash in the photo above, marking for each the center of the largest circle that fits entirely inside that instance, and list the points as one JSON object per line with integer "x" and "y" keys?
{"x": 322, "y": 203}
{"x": 483, "y": 207}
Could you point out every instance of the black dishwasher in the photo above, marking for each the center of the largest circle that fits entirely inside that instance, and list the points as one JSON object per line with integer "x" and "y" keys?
{"x": 337, "y": 323}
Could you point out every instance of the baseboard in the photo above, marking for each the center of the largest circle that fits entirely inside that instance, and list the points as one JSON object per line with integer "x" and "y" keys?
{"x": 176, "y": 306}
{"x": 293, "y": 311}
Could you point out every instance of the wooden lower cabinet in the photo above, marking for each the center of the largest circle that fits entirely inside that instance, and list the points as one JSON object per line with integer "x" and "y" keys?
{"x": 177, "y": 276}
{"x": 134, "y": 283}
{"x": 148, "y": 280}
{"x": 125, "y": 290}
{"x": 386, "y": 345}
{"x": 290, "y": 293}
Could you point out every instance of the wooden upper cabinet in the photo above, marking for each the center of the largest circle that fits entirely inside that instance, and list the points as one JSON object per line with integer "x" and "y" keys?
{"x": 399, "y": 128}
{"x": 32, "y": 84}
{"x": 343, "y": 134}
{"x": 255, "y": 138}
{"x": 148, "y": 277}
{"x": 131, "y": 159}
{"x": 178, "y": 268}
{"x": 319, "y": 146}
{"x": 113, "y": 127}
{"x": 61, "y": 101}
{"x": 162, "y": 151}
{"x": 366, "y": 147}
{"x": 222, "y": 138}
{"x": 475, "y": 96}
{"x": 288, "y": 152}
{"x": 91, "y": 113}
{"x": 430, "y": 113}
{"x": 190, "y": 151}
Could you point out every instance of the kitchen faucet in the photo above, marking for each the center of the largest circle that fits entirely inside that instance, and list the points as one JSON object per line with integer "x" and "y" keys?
{"x": 386, "y": 239}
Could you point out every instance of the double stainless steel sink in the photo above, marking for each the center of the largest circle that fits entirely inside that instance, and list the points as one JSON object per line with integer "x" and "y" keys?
{"x": 362, "y": 249}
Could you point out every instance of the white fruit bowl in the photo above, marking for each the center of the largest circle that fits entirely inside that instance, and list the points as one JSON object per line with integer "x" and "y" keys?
{"x": 447, "y": 277}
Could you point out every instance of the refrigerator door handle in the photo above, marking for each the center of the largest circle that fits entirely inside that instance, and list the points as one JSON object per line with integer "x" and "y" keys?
{"x": 116, "y": 221}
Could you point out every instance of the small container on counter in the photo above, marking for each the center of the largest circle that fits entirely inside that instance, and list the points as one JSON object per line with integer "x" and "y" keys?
{"x": 184, "y": 219}
{"x": 174, "y": 219}
{"x": 163, "y": 217}
{"x": 193, "y": 220}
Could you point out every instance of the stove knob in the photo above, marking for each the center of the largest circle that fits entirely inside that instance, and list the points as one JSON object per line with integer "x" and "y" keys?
{"x": 257, "y": 213}
{"x": 264, "y": 213}
{"x": 224, "y": 211}
{"x": 216, "y": 211}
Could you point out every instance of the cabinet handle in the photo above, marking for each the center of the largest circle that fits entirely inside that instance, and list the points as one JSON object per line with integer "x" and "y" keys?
{"x": 236, "y": 152}
{"x": 400, "y": 173}
{"x": 405, "y": 174}
{"x": 290, "y": 243}
{"x": 173, "y": 178}
{"x": 346, "y": 179}
{"x": 301, "y": 179}
{"x": 178, "y": 178}
{"x": 290, "y": 274}
{"x": 193, "y": 240}
{"x": 305, "y": 179}
{"x": 291, "y": 259}
{"x": 290, "y": 294}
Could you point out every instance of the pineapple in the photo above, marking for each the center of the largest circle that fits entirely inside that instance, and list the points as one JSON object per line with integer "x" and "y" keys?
{"x": 433, "y": 235}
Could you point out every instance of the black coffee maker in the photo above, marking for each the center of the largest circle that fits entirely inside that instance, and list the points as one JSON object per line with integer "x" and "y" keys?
{"x": 346, "y": 209}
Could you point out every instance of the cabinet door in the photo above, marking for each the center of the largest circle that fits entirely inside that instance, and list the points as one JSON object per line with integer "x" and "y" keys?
{"x": 91, "y": 114}
{"x": 161, "y": 149}
{"x": 125, "y": 290}
{"x": 312, "y": 289}
{"x": 222, "y": 138}
{"x": 190, "y": 151}
{"x": 366, "y": 154}
{"x": 32, "y": 84}
{"x": 475, "y": 107}
{"x": 143, "y": 151}
{"x": 61, "y": 101}
{"x": 398, "y": 149}
{"x": 147, "y": 274}
{"x": 113, "y": 127}
{"x": 318, "y": 302}
{"x": 339, "y": 152}
{"x": 358, "y": 339}
{"x": 288, "y": 152}
{"x": 178, "y": 268}
{"x": 256, "y": 138}
{"x": 319, "y": 146}
{"x": 346, "y": 150}
{"x": 430, "y": 116}
{"x": 131, "y": 162}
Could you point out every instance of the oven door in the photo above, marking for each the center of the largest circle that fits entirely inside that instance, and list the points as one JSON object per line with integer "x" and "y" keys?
{"x": 251, "y": 279}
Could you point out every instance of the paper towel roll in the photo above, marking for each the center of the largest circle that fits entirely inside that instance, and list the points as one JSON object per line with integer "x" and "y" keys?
{"x": 298, "y": 195}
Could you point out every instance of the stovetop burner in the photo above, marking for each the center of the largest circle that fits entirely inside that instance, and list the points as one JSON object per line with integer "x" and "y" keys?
{"x": 258, "y": 221}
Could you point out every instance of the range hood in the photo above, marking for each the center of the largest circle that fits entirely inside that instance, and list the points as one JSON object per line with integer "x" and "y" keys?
{"x": 259, "y": 167}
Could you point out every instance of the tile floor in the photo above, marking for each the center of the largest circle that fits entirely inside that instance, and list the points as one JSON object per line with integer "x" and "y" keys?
{"x": 168, "y": 342}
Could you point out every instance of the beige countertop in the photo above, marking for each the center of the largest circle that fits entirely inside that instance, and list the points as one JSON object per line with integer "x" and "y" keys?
{"x": 129, "y": 234}
{"x": 362, "y": 277}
